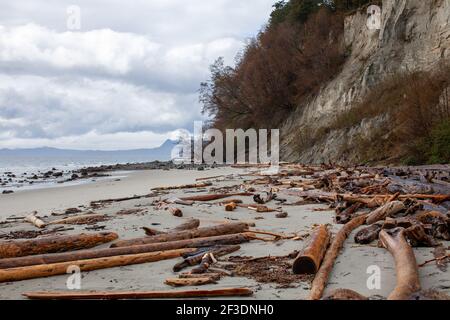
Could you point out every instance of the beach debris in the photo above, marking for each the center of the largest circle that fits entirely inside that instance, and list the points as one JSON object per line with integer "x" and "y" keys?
{"x": 233, "y": 239}
{"x": 368, "y": 234}
{"x": 207, "y": 261}
{"x": 176, "y": 212}
{"x": 282, "y": 215}
{"x": 406, "y": 267}
{"x": 48, "y": 270}
{"x": 345, "y": 295}
{"x": 20, "y": 248}
{"x": 186, "y": 186}
{"x": 127, "y": 212}
{"x": 230, "y": 206}
{"x": 190, "y": 224}
{"x": 385, "y": 211}
{"x": 81, "y": 219}
{"x": 32, "y": 234}
{"x": 197, "y": 258}
{"x": 7, "y": 192}
{"x": 119, "y": 295}
{"x": 310, "y": 259}
{"x": 321, "y": 278}
{"x": 177, "y": 282}
{"x": 211, "y": 197}
{"x": 269, "y": 196}
{"x": 31, "y": 218}
{"x": 223, "y": 229}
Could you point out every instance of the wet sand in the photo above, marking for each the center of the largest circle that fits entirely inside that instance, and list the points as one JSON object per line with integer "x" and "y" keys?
{"x": 350, "y": 270}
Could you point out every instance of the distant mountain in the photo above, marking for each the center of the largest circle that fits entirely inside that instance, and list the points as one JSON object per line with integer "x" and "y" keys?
{"x": 162, "y": 153}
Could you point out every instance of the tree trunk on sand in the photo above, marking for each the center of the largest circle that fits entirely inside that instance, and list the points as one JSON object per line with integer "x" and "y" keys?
{"x": 309, "y": 260}
{"x": 20, "y": 248}
{"x": 230, "y": 228}
{"x": 408, "y": 281}
{"x": 385, "y": 211}
{"x": 48, "y": 270}
{"x": 321, "y": 279}
{"x": 232, "y": 239}
{"x": 233, "y": 292}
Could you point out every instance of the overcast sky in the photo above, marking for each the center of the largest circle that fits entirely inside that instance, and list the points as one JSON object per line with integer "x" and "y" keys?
{"x": 127, "y": 79}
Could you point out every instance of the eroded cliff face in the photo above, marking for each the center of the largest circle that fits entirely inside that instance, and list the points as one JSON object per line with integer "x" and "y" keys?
{"x": 414, "y": 35}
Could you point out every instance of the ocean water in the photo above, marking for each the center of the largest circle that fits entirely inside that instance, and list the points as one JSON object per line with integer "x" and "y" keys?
{"x": 16, "y": 171}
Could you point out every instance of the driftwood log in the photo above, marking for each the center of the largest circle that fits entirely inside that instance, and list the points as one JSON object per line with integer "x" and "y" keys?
{"x": 369, "y": 234}
{"x": 211, "y": 197}
{"x": 309, "y": 260}
{"x": 35, "y": 221}
{"x": 223, "y": 229}
{"x": 185, "y": 282}
{"x": 176, "y": 212}
{"x": 232, "y": 239}
{"x": 188, "y": 225}
{"x": 48, "y": 270}
{"x": 385, "y": 211}
{"x": 321, "y": 279}
{"x": 186, "y": 186}
{"x": 21, "y": 248}
{"x": 232, "y": 292}
{"x": 80, "y": 219}
{"x": 408, "y": 281}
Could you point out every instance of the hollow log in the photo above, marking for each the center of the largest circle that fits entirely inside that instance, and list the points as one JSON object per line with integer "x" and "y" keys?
{"x": 233, "y": 239}
{"x": 385, "y": 211}
{"x": 408, "y": 281}
{"x": 48, "y": 270}
{"x": 223, "y": 229}
{"x": 321, "y": 279}
{"x": 185, "y": 282}
{"x": 309, "y": 260}
{"x": 118, "y": 295}
{"x": 211, "y": 197}
{"x": 35, "y": 221}
{"x": 21, "y": 248}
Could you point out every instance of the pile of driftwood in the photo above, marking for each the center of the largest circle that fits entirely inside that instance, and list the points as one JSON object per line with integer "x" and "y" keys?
{"x": 399, "y": 208}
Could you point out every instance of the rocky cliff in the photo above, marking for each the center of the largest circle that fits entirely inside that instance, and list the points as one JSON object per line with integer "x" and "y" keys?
{"x": 414, "y": 35}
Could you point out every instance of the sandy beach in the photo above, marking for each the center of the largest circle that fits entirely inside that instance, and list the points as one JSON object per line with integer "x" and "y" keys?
{"x": 350, "y": 270}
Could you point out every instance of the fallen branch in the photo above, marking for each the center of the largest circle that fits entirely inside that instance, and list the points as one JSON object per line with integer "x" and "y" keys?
{"x": 408, "y": 281}
{"x": 197, "y": 258}
{"x": 233, "y": 292}
{"x": 186, "y": 186}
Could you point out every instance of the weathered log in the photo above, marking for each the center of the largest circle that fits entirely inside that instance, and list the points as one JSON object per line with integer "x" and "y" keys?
{"x": 385, "y": 211}
{"x": 408, "y": 281}
{"x": 21, "y": 248}
{"x": 418, "y": 237}
{"x": 81, "y": 219}
{"x": 35, "y": 221}
{"x": 211, "y": 197}
{"x": 223, "y": 229}
{"x": 321, "y": 279}
{"x": 185, "y": 186}
{"x": 309, "y": 260}
{"x": 369, "y": 234}
{"x": 48, "y": 270}
{"x": 232, "y": 239}
{"x": 118, "y": 295}
{"x": 213, "y": 276}
{"x": 190, "y": 224}
{"x": 197, "y": 258}
{"x": 177, "y": 282}
{"x": 348, "y": 214}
